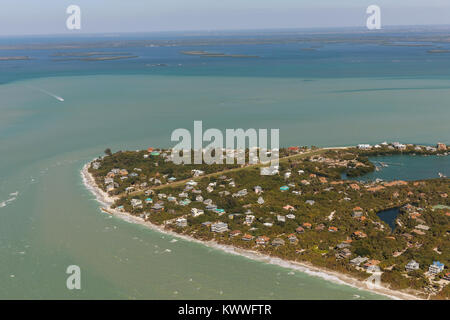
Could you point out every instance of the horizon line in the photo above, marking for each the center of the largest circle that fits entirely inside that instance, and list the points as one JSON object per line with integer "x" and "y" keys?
{"x": 77, "y": 33}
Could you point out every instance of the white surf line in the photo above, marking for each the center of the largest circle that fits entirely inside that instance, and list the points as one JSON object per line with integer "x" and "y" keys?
{"x": 13, "y": 198}
{"x": 48, "y": 93}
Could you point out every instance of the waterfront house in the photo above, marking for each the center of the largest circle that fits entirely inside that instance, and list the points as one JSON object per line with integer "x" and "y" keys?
{"x": 278, "y": 242}
{"x": 343, "y": 254}
{"x": 294, "y": 149}
{"x": 358, "y": 260}
{"x": 247, "y": 237}
{"x": 96, "y": 165}
{"x": 109, "y": 180}
{"x": 436, "y": 267}
{"x": 136, "y": 203}
{"x": 364, "y": 146}
{"x": 412, "y": 265}
{"x": 235, "y": 233}
{"x": 262, "y": 240}
{"x": 219, "y": 227}
{"x": 373, "y": 269}
{"x": 181, "y": 222}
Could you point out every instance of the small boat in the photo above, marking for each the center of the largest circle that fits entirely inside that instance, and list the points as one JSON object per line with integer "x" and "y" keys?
{"x": 441, "y": 175}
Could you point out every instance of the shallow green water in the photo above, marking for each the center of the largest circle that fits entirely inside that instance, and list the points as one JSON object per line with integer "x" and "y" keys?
{"x": 54, "y": 222}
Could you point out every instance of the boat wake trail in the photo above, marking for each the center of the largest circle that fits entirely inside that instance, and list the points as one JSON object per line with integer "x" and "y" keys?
{"x": 48, "y": 93}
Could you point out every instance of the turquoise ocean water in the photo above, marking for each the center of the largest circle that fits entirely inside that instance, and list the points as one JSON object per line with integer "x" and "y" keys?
{"x": 339, "y": 95}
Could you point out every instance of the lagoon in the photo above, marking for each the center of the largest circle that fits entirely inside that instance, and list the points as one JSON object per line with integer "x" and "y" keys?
{"x": 407, "y": 167}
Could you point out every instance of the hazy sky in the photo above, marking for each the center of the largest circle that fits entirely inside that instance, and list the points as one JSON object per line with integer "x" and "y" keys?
{"x": 102, "y": 16}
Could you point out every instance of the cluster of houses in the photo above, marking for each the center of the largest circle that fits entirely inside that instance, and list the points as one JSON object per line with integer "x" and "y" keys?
{"x": 400, "y": 146}
{"x": 191, "y": 191}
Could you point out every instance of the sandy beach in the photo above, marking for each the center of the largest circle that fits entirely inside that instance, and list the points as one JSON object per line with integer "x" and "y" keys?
{"x": 106, "y": 201}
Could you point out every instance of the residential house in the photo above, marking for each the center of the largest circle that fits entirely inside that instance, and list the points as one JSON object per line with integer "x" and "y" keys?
{"x": 247, "y": 237}
{"x": 364, "y": 146}
{"x": 307, "y": 225}
{"x": 196, "y": 212}
{"x": 249, "y": 219}
{"x": 262, "y": 240}
{"x": 289, "y": 207}
{"x": 278, "y": 242}
{"x": 359, "y": 234}
{"x": 136, "y": 203}
{"x": 257, "y": 189}
{"x": 219, "y": 227}
{"x": 235, "y": 233}
{"x": 300, "y": 230}
{"x": 343, "y": 253}
{"x": 292, "y": 238}
{"x": 436, "y": 267}
{"x": 181, "y": 222}
{"x": 412, "y": 265}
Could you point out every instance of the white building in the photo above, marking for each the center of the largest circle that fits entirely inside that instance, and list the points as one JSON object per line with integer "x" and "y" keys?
{"x": 136, "y": 203}
{"x": 219, "y": 227}
{"x": 412, "y": 265}
{"x": 364, "y": 146}
{"x": 436, "y": 267}
{"x": 181, "y": 222}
